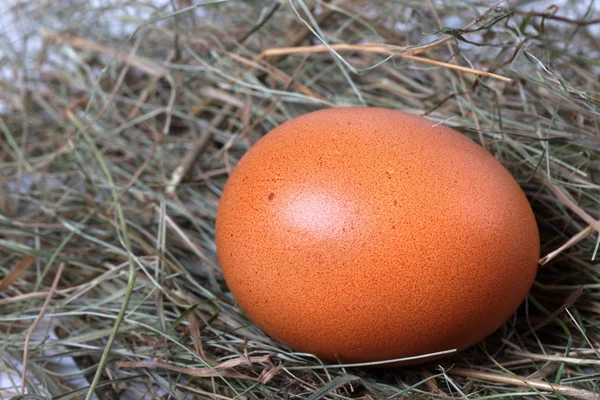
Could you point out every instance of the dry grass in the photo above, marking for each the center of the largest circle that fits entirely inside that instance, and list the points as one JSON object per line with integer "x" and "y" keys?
{"x": 120, "y": 123}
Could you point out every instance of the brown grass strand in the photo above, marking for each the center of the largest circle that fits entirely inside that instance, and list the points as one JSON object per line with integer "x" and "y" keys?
{"x": 55, "y": 282}
{"x": 220, "y": 370}
{"x": 524, "y": 382}
{"x": 379, "y": 49}
{"x": 16, "y": 272}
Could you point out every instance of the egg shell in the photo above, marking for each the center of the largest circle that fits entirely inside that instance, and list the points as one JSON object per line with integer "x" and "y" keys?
{"x": 365, "y": 234}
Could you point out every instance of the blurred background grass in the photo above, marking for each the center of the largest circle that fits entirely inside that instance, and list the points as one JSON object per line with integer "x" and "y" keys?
{"x": 120, "y": 121}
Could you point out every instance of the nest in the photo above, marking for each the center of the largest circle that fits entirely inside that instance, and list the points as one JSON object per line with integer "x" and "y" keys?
{"x": 121, "y": 120}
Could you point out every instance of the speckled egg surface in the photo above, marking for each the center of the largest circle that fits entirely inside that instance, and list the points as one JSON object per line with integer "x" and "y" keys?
{"x": 366, "y": 234}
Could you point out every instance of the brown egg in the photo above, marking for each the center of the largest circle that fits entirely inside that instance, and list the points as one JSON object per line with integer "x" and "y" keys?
{"x": 367, "y": 234}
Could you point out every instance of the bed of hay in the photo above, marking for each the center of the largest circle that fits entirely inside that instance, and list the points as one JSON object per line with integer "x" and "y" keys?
{"x": 119, "y": 124}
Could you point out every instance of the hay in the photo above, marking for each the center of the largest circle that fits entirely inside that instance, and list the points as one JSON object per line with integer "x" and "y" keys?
{"x": 120, "y": 120}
